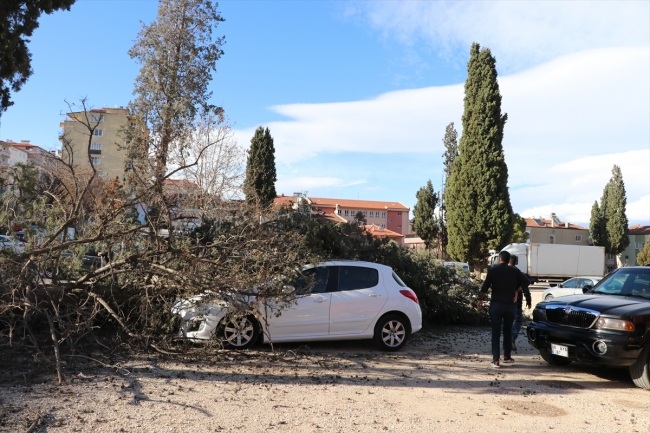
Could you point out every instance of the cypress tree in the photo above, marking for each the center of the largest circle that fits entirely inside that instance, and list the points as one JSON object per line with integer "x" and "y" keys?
{"x": 643, "y": 258}
{"x": 426, "y": 224}
{"x": 479, "y": 213}
{"x": 616, "y": 222}
{"x": 259, "y": 185}
{"x": 450, "y": 140}
{"x": 596, "y": 226}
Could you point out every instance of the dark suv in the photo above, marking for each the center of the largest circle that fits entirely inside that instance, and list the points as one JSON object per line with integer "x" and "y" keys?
{"x": 609, "y": 325}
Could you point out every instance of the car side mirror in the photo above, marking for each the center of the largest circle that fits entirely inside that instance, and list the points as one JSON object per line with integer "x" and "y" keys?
{"x": 586, "y": 288}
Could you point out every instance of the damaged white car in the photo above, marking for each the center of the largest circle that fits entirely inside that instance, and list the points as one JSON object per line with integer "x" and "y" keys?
{"x": 342, "y": 300}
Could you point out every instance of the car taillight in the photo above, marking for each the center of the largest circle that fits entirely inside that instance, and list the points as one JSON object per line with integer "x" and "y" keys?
{"x": 411, "y": 295}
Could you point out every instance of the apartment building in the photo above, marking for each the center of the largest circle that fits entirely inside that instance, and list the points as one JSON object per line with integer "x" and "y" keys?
{"x": 24, "y": 151}
{"x": 386, "y": 215}
{"x": 554, "y": 231}
{"x": 638, "y": 235}
{"x": 106, "y": 149}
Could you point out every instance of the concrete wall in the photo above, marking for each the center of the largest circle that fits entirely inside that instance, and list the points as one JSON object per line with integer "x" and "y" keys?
{"x": 565, "y": 236}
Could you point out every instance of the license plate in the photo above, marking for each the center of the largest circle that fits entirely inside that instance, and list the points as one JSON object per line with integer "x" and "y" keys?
{"x": 559, "y": 350}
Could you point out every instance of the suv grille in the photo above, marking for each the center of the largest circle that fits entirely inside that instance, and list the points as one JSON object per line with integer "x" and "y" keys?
{"x": 576, "y": 317}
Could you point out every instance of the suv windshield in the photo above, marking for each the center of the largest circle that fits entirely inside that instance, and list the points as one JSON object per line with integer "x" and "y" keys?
{"x": 626, "y": 282}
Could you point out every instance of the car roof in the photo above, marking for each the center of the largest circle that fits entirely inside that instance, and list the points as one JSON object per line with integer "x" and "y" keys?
{"x": 353, "y": 263}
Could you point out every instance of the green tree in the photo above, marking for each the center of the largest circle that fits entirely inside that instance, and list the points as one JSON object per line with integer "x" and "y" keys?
{"x": 450, "y": 140}
{"x": 18, "y": 20}
{"x": 259, "y": 185}
{"x": 616, "y": 222}
{"x": 426, "y": 224}
{"x": 597, "y": 229}
{"x": 178, "y": 56}
{"x": 519, "y": 233}
{"x": 643, "y": 258}
{"x": 479, "y": 213}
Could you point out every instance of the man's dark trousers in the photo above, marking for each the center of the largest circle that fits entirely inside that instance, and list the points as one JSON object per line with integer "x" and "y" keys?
{"x": 502, "y": 314}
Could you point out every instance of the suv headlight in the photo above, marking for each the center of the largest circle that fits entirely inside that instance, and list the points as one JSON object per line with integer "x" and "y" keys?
{"x": 615, "y": 324}
{"x": 539, "y": 315}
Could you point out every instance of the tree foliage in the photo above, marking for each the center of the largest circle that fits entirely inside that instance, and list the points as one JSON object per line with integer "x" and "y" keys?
{"x": 609, "y": 224}
{"x": 18, "y": 20}
{"x": 450, "y": 141}
{"x": 519, "y": 233}
{"x": 426, "y": 223}
{"x": 616, "y": 222}
{"x": 259, "y": 185}
{"x": 643, "y": 258}
{"x": 479, "y": 213}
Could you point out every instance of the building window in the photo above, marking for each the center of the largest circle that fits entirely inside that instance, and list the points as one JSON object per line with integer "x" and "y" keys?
{"x": 390, "y": 221}
{"x": 95, "y": 160}
{"x": 95, "y": 146}
{"x": 365, "y": 213}
{"x": 97, "y": 132}
{"x": 383, "y": 214}
{"x": 383, "y": 226}
{"x": 372, "y": 214}
{"x": 100, "y": 173}
{"x": 639, "y": 245}
{"x": 347, "y": 213}
{"x": 578, "y": 238}
{"x": 551, "y": 239}
{"x": 96, "y": 118}
{"x": 132, "y": 124}
{"x": 338, "y": 211}
{"x": 399, "y": 213}
{"x": 399, "y": 226}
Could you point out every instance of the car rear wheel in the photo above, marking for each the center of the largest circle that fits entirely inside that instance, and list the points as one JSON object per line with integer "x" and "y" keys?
{"x": 554, "y": 359}
{"x": 640, "y": 370}
{"x": 548, "y": 297}
{"x": 239, "y": 332}
{"x": 391, "y": 332}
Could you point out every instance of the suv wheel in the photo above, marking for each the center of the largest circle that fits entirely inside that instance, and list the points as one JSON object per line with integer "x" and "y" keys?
{"x": 391, "y": 332}
{"x": 640, "y": 370}
{"x": 553, "y": 359}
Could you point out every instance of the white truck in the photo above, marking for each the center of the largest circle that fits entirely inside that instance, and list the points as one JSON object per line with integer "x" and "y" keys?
{"x": 556, "y": 262}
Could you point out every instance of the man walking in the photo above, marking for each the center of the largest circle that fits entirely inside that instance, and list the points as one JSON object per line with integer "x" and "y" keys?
{"x": 519, "y": 312}
{"x": 504, "y": 281}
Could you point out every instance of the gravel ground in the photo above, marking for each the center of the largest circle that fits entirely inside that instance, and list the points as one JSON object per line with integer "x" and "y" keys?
{"x": 440, "y": 382}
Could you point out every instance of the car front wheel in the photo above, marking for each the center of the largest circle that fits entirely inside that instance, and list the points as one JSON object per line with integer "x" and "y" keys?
{"x": 240, "y": 332}
{"x": 553, "y": 359}
{"x": 640, "y": 370}
{"x": 391, "y": 332}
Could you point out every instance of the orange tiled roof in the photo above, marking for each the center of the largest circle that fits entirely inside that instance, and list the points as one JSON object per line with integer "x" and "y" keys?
{"x": 638, "y": 229}
{"x": 530, "y": 222}
{"x": 374, "y": 230}
{"x": 180, "y": 182}
{"x": 358, "y": 204}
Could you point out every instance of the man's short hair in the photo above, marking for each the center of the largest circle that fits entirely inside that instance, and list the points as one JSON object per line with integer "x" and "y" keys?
{"x": 514, "y": 260}
{"x": 504, "y": 256}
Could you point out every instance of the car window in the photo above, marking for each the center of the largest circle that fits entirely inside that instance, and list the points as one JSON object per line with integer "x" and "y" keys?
{"x": 357, "y": 277}
{"x": 313, "y": 280}
{"x": 625, "y": 281}
{"x": 570, "y": 284}
{"x": 582, "y": 282}
{"x": 398, "y": 280}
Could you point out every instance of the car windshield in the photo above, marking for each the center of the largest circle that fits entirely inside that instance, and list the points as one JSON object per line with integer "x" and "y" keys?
{"x": 626, "y": 282}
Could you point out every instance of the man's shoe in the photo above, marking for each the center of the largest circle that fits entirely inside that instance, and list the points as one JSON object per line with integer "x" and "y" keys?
{"x": 508, "y": 361}
{"x": 495, "y": 364}
{"x": 514, "y": 345}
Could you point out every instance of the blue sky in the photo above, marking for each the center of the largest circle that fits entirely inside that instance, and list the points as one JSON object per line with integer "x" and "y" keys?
{"x": 357, "y": 94}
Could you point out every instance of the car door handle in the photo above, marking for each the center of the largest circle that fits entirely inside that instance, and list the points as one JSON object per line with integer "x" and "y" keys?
{"x": 319, "y": 301}
{"x": 374, "y": 295}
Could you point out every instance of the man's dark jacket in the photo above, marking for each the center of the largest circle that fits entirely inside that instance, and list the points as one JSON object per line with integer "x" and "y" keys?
{"x": 504, "y": 281}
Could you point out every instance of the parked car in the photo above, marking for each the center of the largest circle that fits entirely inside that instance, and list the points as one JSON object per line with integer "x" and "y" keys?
{"x": 572, "y": 286}
{"x": 13, "y": 244}
{"x": 463, "y": 266}
{"x": 349, "y": 301}
{"x": 609, "y": 325}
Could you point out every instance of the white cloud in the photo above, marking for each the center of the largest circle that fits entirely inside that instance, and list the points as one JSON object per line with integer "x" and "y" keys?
{"x": 569, "y": 121}
{"x": 286, "y": 185}
{"x": 522, "y": 34}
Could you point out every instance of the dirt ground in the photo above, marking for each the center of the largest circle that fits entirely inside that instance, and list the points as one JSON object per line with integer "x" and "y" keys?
{"x": 440, "y": 382}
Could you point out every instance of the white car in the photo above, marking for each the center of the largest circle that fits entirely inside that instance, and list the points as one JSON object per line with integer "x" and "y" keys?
{"x": 572, "y": 286}
{"x": 350, "y": 301}
{"x": 463, "y": 266}
{"x": 13, "y": 244}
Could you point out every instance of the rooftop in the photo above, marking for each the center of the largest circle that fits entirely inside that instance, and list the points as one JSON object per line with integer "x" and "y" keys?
{"x": 638, "y": 229}
{"x": 346, "y": 203}
{"x": 547, "y": 223}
